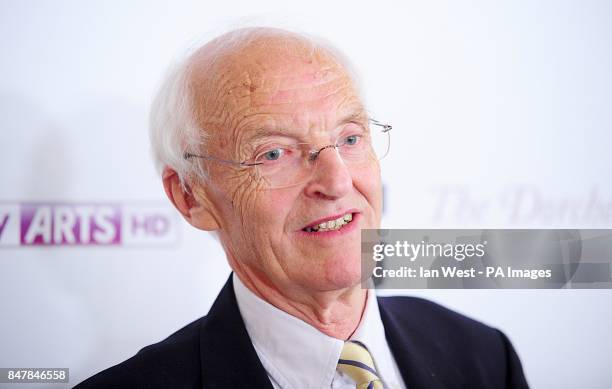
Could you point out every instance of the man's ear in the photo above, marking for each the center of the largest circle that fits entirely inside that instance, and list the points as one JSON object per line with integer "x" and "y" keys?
{"x": 197, "y": 211}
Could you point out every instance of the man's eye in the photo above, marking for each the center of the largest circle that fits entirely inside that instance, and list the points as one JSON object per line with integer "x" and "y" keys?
{"x": 272, "y": 155}
{"x": 351, "y": 140}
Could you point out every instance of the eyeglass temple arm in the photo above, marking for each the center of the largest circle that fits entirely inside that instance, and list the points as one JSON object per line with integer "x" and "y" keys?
{"x": 187, "y": 155}
{"x": 386, "y": 127}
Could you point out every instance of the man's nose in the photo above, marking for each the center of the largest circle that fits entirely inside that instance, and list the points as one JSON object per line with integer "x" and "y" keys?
{"x": 331, "y": 178}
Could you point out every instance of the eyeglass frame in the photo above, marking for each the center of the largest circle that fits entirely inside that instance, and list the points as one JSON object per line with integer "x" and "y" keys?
{"x": 314, "y": 154}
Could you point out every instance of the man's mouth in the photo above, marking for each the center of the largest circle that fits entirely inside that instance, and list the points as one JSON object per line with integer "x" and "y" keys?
{"x": 330, "y": 225}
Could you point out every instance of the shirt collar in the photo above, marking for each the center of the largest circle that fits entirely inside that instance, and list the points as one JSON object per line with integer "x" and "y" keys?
{"x": 295, "y": 354}
{"x": 371, "y": 333}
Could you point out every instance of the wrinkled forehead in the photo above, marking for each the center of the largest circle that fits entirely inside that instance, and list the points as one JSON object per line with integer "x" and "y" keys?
{"x": 238, "y": 81}
{"x": 245, "y": 57}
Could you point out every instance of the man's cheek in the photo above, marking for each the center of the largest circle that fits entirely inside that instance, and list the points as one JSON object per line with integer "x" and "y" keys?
{"x": 244, "y": 200}
{"x": 368, "y": 180}
{"x": 277, "y": 202}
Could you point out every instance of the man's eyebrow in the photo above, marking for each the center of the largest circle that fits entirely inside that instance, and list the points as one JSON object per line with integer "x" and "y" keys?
{"x": 353, "y": 115}
{"x": 262, "y": 132}
{"x": 259, "y": 133}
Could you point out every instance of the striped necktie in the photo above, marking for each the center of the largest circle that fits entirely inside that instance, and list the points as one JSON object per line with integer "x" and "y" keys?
{"x": 356, "y": 362}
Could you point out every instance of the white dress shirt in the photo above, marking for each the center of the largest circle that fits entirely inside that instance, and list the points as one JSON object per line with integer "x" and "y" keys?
{"x": 298, "y": 356}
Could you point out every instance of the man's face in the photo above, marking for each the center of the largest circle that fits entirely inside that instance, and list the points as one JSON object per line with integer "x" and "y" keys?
{"x": 270, "y": 98}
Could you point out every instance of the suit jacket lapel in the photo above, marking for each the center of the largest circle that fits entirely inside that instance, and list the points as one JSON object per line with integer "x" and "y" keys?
{"x": 228, "y": 357}
{"x": 423, "y": 363}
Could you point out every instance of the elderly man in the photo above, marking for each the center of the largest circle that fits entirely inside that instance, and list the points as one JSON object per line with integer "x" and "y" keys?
{"x": 262, "y": 138}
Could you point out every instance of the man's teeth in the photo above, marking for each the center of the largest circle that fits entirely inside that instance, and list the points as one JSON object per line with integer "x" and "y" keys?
{"x": 331, "y": 225}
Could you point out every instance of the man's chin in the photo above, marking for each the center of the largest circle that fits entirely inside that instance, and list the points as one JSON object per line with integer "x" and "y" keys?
{"x": 344, "y": 274}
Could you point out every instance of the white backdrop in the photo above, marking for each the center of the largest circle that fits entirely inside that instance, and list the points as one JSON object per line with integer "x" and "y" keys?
{"x": 501, "y": 115}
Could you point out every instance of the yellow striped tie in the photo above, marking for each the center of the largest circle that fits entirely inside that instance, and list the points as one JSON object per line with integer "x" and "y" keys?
{"x": 356, "y": 362}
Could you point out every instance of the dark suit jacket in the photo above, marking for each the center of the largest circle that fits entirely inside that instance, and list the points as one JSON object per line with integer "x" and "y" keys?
{"x": 433, "y": 347}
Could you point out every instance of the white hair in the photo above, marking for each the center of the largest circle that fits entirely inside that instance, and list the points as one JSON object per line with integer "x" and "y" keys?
{"x": 173, "y": 129}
